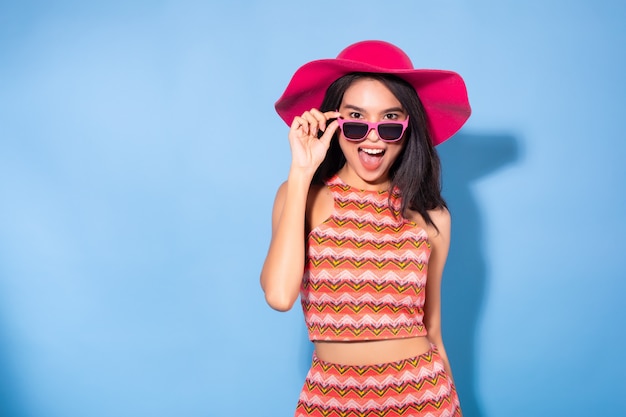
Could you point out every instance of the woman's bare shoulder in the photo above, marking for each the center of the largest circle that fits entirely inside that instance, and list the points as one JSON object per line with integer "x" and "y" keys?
{"x": 319, "y": 205}
{"x": 440, "y": 218}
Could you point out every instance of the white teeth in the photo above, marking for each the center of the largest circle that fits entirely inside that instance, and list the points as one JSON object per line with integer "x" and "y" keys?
{"x": 372, "y": 151}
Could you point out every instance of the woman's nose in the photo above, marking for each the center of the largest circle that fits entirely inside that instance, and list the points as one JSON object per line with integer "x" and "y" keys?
{"x": 372, "y": 135}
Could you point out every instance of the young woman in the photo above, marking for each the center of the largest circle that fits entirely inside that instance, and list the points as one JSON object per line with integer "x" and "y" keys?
{"x": 361, "y": 233}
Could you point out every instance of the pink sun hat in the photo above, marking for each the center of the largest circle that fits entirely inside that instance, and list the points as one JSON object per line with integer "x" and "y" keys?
{"x": 443, "y": 93}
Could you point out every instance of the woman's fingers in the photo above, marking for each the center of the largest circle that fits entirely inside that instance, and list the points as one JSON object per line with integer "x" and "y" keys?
{"x": 308, "y": 151}
{"x": 329, "y": 132}
{"x": 331, "y": 115}
{"x": 313, "y": 121}
{"x": 319, "y": 119}
{"x": 301, "y": 123}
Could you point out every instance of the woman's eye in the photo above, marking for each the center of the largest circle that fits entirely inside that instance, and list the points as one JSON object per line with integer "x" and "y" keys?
{"x": 355, "y": 115}
{"x": 391, "y": 116}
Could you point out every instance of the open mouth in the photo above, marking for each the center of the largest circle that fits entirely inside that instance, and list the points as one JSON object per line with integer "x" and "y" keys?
{"x": 371, "y": 158}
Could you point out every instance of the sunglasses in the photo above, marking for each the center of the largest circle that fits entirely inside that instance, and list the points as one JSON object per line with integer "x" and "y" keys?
{"x": 356, "y": 131}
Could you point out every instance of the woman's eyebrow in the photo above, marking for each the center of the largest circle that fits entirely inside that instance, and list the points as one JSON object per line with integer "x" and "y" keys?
{"x": 356, "y": 108}
{"x": 361, "y": 110}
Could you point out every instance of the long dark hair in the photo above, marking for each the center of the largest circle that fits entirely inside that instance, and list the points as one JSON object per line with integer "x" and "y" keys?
{"x": 417, "y": 170}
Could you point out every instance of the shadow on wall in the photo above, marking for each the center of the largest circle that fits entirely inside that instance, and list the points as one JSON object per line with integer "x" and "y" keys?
{"x": 9, "y": 387}
{"x": 465, "y": 159}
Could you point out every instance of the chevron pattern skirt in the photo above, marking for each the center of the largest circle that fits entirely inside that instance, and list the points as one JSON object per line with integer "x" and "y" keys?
{"x": 416, "y": 386}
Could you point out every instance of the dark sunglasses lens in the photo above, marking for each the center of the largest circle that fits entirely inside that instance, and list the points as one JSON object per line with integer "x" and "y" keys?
{"x": 390, "y": 131}
{"x": 354, "y": 131}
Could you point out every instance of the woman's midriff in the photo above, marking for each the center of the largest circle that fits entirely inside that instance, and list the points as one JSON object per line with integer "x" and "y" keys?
{"x": 371, "y": 352}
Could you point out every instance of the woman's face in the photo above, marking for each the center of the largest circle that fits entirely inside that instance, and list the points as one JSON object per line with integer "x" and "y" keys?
{"x": 368, "y": 162}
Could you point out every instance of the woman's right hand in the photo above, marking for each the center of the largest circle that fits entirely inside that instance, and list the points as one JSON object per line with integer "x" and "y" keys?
{"x": 307, "y": 150}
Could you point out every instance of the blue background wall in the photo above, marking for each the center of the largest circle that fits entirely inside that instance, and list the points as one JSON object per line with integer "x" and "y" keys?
{"x": 139, "y": 156}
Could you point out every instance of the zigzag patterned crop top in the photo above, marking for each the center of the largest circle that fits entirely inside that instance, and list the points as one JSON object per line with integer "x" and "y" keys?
{"x": 366, "y": 268}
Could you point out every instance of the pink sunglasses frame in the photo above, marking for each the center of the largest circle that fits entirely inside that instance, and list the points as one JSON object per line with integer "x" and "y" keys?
{"x": 375, "y": 126}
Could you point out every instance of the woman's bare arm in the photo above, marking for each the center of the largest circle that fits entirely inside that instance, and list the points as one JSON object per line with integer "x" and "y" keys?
{"x": 440, "y": 244}
{"x": 282, "y": 271}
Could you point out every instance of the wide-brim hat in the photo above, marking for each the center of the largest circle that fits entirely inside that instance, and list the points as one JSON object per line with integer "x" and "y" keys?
{"x": 443, "y": 93}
